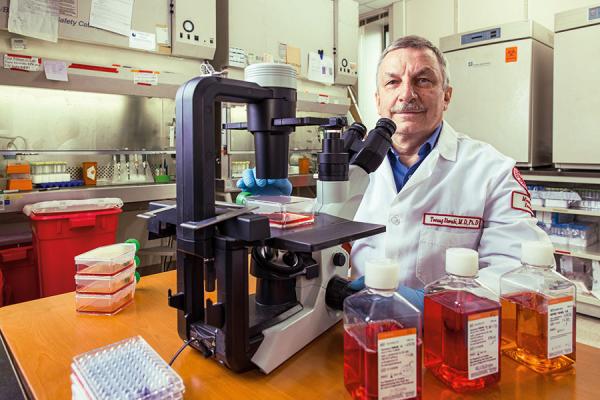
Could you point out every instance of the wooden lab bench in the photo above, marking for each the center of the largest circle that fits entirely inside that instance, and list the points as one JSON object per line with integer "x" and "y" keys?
{"x": 44, "y": 335}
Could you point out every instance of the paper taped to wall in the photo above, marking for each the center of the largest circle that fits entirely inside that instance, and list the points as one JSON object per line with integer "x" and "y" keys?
{"x": 320, "y": 69}
{"x": 142, "y": 40}
{"x": 34, "y": 18}
{"x": 56, "y": 70}
{"x": 162, "y": 35}
{"x": 292, "y": 57}
{"x": 145, "y": 78}
{"x": 22, "y": 63}
{"x": 112, "y": 15}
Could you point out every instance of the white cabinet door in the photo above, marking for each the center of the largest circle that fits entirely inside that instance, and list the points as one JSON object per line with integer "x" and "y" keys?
{"x": 476, "y": 14}
{"x": 576, "y": 132}
{"x": 491, "y": 97}
{"x": 431, "y": 19}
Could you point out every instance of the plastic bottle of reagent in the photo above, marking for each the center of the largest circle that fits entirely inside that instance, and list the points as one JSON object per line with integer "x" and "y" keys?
{"x": 462, "y": 326}
{"x": 382, "y": 338}
{"x": 538, "y": 312}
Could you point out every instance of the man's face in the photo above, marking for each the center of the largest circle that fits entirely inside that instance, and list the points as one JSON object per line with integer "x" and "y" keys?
{"x": 410, "y": 91}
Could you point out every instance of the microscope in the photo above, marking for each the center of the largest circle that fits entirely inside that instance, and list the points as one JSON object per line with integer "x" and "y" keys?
{"x": 300, "y": 272}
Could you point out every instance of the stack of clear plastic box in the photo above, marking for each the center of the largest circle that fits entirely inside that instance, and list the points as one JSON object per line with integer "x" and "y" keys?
{"x": 590, "y": 199}
{"x": 105, "y": 279}
{"x": 553, "y": 197}
{"x": 581, "y": 234}
{"x": 284, "y": 212}
{"x": 129, "y": 369}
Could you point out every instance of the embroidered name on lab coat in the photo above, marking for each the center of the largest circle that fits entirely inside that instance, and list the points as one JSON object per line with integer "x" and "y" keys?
{"x": 452, "y": 221}
{"x": 521, "y": 201}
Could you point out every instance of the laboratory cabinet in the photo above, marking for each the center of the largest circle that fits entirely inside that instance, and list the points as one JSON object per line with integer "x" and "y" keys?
{"x": 502, "y": 81}
{"x": 183, "y": 28}
{"x": 576, "y": 136}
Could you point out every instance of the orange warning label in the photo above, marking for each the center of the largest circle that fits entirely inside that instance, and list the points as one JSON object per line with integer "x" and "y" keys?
{"x": 510, "y": 54}
{"x": 396, "y": 333}
{"x": 560, "y": 300}
{"x": 487, "y": 314}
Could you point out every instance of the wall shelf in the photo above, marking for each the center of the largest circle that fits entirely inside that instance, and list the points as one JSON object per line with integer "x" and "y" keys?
{"x": 97, "y": 82}
{"x": 594, "y": 213}
{"x": 14, "y": 202}
{"x": 556, "y": 176}
{"x": 81, "y": 152}
{"x": 590, "y": 253}
{"x": 588, "y": 305}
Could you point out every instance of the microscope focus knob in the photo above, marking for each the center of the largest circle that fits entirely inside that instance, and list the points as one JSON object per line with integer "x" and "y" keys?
{"x": 339, "y": 259}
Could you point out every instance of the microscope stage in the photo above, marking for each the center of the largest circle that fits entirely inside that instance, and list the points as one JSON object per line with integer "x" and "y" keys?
{"x": 326, "y": 231}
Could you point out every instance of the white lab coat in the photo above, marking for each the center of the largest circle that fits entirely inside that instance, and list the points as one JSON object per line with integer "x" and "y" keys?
{"x": 464, "y": 194}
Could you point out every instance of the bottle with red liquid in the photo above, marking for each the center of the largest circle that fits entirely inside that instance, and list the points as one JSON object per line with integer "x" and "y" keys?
{"x": 538, "y": 312}
{"x": 461, "y": 326}
{"x": 382, "y": 338}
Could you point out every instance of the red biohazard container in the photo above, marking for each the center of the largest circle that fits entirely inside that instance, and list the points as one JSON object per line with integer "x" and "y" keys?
{"x": 18, "y": 274}
{"x": 59, "y": 237}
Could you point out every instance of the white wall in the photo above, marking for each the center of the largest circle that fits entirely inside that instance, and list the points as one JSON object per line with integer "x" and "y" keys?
{"x": 476, "y": 14}
{"x": 369, "y": 49}
{"x": 434, "y": 19}
{"x": 543, "y": 11}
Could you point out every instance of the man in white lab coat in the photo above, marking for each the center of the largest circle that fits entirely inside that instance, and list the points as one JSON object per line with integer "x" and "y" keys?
{"x": 439, "y": 188}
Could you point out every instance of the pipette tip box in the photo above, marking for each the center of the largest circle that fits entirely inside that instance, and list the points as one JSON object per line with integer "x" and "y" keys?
{"x": 128, "y": 369}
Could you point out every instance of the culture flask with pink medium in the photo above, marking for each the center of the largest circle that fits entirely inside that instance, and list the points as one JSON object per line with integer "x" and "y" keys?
{"x": 382, "y": 338}
{"x": 462, "y": 326}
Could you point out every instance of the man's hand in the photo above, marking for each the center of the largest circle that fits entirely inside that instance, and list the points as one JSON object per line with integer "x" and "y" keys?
{"x": 270, "y": 187}
{"x": 414, "y": 296}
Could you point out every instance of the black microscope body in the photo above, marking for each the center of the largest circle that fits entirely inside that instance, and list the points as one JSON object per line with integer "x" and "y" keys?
{"x": 214, "y": 240}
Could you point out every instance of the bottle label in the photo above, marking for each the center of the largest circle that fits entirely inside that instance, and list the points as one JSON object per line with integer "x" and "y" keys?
{"x": 483, "y": 353}
{"x": 560, "y": 326}
{"x": 397, "y": 364}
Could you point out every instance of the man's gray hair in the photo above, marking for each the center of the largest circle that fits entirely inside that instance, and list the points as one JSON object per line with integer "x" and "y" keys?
{"x": 418, "y": 42}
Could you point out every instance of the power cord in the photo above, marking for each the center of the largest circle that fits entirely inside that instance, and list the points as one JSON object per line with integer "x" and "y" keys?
{"x": 185, "y": 344}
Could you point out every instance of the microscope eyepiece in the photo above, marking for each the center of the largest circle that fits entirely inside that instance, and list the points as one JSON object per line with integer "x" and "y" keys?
{"x": 387, "y": 125}
{"x": 375, "y": 146}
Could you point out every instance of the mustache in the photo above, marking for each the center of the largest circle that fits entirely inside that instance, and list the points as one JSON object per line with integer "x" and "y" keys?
{"x": 412, "y": 106}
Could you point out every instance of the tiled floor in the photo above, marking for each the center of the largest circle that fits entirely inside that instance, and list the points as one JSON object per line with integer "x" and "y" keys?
{"x": 588, "y": 330}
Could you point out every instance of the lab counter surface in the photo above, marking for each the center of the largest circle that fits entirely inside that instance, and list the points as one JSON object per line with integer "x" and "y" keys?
{"x": 14, "y": 202}
{"x": 44, "y": 335}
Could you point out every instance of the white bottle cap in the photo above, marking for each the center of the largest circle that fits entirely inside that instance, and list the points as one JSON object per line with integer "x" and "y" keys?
{"x": 539, "y": 253}
{"x": 462, "y": 262}
{"x": 382, "y": 274}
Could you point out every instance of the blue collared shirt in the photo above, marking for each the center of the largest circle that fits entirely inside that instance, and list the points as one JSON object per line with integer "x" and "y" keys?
{"x": 401, "y": 172}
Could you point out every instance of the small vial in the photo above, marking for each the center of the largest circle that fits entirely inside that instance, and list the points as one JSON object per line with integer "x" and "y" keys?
{"x": 382, "y": 338}
{"x": 462, "y": 326}
{"x": 538, "y": 312}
